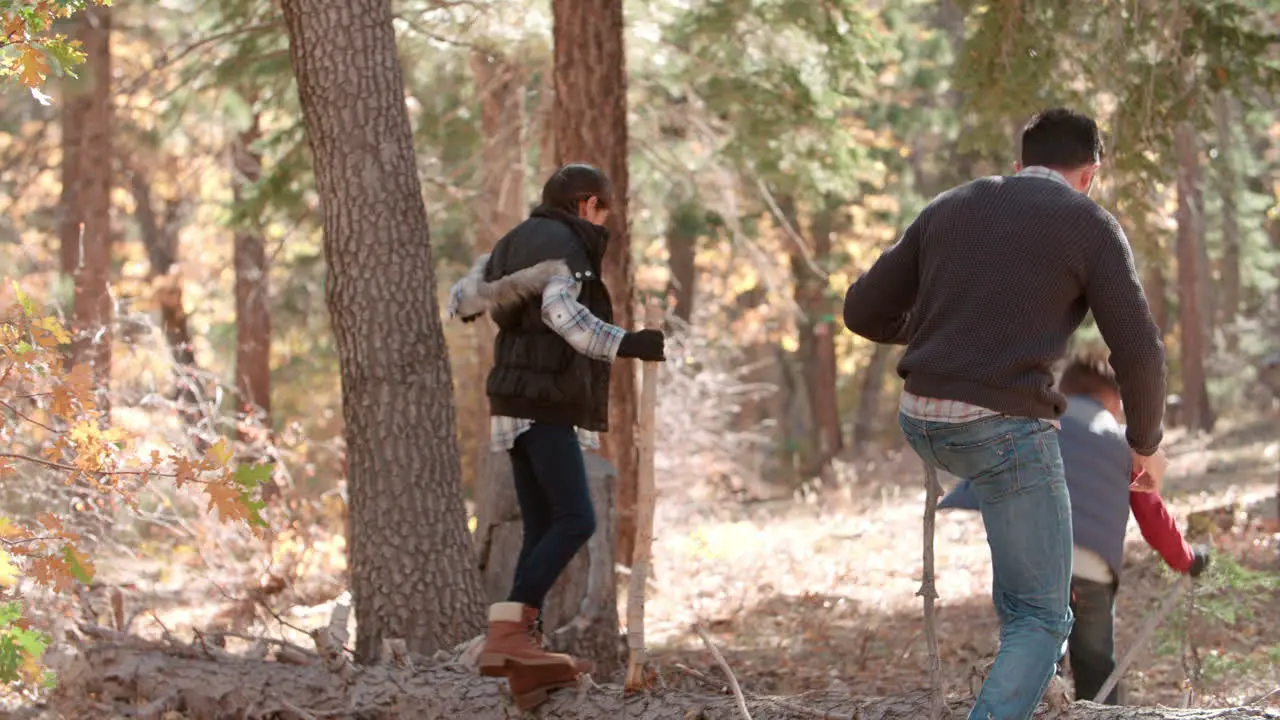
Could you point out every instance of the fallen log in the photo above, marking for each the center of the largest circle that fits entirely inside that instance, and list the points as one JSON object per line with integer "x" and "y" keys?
{"x": 136, "y": 678}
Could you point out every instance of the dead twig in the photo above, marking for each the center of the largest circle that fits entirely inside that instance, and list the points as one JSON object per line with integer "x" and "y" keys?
{"x": 938, "y": 706}
{"x": 703, "y": 678}
{"x": 1144, "y": 636}
{"x": 724, "y": 665}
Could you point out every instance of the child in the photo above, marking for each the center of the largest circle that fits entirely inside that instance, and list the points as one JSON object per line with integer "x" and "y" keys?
{"x": 548, "y": 395}
{"x": 1096, "y": 459}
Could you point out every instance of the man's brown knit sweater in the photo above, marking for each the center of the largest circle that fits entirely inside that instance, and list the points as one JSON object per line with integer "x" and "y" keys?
{"x": 986, "y": 287}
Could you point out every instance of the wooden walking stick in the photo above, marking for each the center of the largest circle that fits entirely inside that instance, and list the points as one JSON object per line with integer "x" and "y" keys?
{"x": 636, "y": 679}
{"x": 927, "y": 590}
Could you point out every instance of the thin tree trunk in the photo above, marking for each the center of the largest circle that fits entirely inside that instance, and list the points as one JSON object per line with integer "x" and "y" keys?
{"x": 1191, "y": 305}
{"x": 408, "y": 557}
{"x": 1156, "y": 289}
{"x": 591, "y": 127}
{"x": 866, "y": 424}
{"x": 803, "y": 429}
{"x": 253, "y": 311}
{"x": 500, "y": 206}
{"x": 1229, "y": 304}
{"x": 93, "y": 306}
{"x": 546, "y": 123}
{"x": 75, "y": 105}
{"x": 824, "y": 387}
{"x": 683, "y": 228}
{"x": 158, "y": 229}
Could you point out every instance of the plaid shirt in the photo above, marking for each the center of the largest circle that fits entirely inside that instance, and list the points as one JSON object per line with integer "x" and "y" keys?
{"x": 955, "y": 411}
{"x": 584, "y": 332}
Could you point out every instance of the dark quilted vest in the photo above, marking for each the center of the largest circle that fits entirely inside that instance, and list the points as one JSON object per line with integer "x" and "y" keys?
{"x": 536, "y": 374}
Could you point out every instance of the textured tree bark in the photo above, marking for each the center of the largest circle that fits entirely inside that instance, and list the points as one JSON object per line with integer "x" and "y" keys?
{"x": 134, "y": 677}
{"x": 253, "y": 313}
{"x": 591, "y": 127}
{"x": 93, "y": 307}
{"x": 1191, "y": 305}
{"x": 1229, "y": 300}
{"x": 410, "y": 575}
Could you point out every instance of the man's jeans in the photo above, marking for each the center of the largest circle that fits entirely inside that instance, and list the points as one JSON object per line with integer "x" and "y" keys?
{"x": 1015, "y": 468}
{"x": 1091, "y": 648}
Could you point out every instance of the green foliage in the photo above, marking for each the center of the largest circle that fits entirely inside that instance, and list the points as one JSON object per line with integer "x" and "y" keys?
{"x": 806, "y": 67}
{"x": 20, "y": 646}
{"x": 31, "y": 50}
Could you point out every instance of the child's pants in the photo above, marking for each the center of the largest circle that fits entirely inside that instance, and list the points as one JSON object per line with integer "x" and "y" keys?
{"x": 555, "y": 505}
{"x": 1091, "y": 647}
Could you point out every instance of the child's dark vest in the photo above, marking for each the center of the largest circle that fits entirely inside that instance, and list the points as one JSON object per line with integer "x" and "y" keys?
{"x": 536, "y": 374}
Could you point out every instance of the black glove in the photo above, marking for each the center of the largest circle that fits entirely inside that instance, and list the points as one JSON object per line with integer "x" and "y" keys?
{"x": 643, "y": 345}
{"x": 1200, "y": 561}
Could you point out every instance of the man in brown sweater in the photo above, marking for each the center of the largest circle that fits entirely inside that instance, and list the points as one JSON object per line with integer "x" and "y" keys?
{"x": 985, "y": 288}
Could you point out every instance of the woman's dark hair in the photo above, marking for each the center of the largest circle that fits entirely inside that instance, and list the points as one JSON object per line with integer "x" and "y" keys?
{"x": 575, "y": 182}
{"x": 1062, "y": 139}
{"x": 1088, "y": 372}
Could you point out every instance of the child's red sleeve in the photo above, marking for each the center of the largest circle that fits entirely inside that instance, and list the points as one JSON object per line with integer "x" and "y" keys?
{"x": 1160, "y": 530}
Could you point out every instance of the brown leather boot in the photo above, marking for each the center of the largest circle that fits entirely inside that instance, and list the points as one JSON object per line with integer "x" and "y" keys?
{"x": 510, "y": 642}
{"x": 532, "y": 685}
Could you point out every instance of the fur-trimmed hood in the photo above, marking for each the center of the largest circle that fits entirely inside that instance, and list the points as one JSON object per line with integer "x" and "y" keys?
{"x": 473, "y": 296}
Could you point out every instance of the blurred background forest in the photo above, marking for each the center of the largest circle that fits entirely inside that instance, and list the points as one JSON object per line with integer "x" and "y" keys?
{"x": 774, "y": 148}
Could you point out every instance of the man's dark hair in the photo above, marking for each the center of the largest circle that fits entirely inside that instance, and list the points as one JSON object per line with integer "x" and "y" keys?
{"x": 1060, "y": 138}
{"x": 575, "y": 182}
{"x": 1088, "y": 372}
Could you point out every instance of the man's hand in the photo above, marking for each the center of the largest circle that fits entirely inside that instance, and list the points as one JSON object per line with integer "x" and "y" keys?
{"x": 1148, "y": 472}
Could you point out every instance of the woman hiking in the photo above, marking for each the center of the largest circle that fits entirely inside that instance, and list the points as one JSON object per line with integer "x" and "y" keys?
{"x": 548, "y": 398}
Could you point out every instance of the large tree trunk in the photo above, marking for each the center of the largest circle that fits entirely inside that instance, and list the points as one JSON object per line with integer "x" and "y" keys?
{"x": 410, "y": 575}
{"x": 147, "y": 680}
{"x": 1229, "y": 299}
{"x": 591, "y": 127}
{"x": 93, "y": 306}
{"x": 683, "y": 228}
{"x": 1191, "y": 305}
{"x": 253, "y": 313}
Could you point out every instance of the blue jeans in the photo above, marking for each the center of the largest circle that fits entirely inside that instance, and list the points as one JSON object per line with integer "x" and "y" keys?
{"x": 1015, "y": 468}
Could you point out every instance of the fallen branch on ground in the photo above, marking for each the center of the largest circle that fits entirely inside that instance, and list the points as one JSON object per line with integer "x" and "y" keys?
{"x": 125, "y": 672}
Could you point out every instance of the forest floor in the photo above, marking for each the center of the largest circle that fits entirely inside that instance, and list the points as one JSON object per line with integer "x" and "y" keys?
{"x": 801, "y": 596}
{"x": 819, "y": 593}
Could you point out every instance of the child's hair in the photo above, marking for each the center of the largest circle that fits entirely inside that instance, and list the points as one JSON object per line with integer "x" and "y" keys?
{"x": 575, "y": 182}
{"x": 1088, "y": 372}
